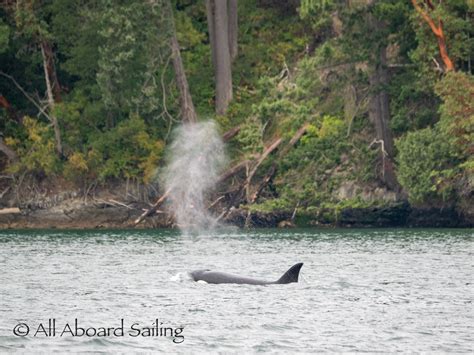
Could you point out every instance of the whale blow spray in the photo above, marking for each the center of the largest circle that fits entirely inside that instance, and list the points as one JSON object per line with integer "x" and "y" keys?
{"x": 194, "y": 161}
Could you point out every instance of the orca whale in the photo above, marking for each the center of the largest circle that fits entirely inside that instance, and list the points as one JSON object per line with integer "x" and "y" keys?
{"x": 216, "y": 277}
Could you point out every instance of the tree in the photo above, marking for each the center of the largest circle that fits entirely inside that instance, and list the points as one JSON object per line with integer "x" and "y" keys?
{"x": 364, "y": 41}
{"x": 188, "y": 113}
{"x": 437, "y": 31}
{"x": 52, "y": 90}
{"x": 379, "y": 112}
{"x": 32, "y": 25}
{"x": 222, "y": 26}
{"x": 233, "y": 28}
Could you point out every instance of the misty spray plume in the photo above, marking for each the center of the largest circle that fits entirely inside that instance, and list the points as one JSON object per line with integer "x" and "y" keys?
{"x": 194, "y": 161}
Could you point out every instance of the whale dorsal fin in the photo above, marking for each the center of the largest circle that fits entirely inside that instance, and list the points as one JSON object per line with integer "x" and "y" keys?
{"x": 291, "y": 275}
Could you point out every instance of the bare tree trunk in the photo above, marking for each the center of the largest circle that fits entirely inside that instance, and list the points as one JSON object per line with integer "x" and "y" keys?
{"x": 5, "y": 149}
{"x": 233, "y": 28}
{"x": 210, "y": 27}
{"x": 379, "y": 114}
{"x": 188, "y": 113}
{"x": 219, "y": 34}
{"x": 51, "y": 68}
{"x": 47, "y": 65}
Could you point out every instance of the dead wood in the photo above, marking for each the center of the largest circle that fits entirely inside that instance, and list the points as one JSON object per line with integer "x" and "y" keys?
{"x": 153, "y": 208}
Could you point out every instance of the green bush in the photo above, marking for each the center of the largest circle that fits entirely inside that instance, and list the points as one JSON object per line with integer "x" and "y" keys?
{"x": 425, "y": 161}
{"x": 37, "y": 152}
{"x": 126, "y": 151}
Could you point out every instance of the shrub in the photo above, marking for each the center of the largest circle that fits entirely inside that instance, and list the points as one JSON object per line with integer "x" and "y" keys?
{"x": 425, "y": 160}
{"x": 37, "y": 152}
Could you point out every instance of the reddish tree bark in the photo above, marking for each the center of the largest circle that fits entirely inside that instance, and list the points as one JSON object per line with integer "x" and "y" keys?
{"x": 11, "y": 112}
{"x": 437, "y": 31}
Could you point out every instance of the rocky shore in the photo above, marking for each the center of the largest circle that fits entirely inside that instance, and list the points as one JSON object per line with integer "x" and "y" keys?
{"x": 77, "y": 214}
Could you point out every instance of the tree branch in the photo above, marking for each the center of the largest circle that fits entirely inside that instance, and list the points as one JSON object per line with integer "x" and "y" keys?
{"x": 37, "y": 105}
{"x": 438, "y": 32}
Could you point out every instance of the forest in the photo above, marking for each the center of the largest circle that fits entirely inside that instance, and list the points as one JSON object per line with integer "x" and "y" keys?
{"x": 324, "y": 105}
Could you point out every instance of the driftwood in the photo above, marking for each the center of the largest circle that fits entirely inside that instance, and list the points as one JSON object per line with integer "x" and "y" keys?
{"x": 12, "y": 210}
{"x": 153, "y": 208}
{"x": 114, "y": 203}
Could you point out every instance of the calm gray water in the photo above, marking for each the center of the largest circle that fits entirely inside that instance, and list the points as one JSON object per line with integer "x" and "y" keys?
{"x": 360, "y": 290}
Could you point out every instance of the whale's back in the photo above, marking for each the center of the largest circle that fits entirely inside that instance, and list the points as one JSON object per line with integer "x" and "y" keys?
{"x": 216, "y": 277}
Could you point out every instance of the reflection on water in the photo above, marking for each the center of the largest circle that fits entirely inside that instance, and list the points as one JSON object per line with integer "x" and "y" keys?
{"x": 360, "y": 290}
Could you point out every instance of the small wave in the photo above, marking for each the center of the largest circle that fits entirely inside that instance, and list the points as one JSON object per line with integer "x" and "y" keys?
{"x": 180, "y": 277}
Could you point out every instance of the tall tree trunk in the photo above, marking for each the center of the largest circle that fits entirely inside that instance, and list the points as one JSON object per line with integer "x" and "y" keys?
{"x": 51, "y": 69}
{"x": 5, "y": 149}
{"x": 232, "y": 15}
{"x": 379, "y": 114}
{"x": 223, "y": 70}
{"x": 188, "y": 113}
{"x": 48, "y": 65}
{"x": 210, "y": 28}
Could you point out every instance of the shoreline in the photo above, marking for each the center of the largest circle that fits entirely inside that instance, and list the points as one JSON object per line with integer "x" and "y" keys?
{"x": 103, "y": 216}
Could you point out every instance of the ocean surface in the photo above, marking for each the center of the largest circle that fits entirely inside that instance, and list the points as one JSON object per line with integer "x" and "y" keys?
{"x": 360, "y": 290}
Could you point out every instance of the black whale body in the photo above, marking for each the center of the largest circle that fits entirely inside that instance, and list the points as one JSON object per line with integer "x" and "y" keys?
{"x": 216, "y": 277}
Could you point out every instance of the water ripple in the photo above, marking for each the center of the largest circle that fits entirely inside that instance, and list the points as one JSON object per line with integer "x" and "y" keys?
{"x": 360, "y": 290}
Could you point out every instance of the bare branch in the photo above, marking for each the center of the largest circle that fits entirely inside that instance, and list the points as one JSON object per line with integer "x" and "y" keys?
{"x": 23, "y": 91}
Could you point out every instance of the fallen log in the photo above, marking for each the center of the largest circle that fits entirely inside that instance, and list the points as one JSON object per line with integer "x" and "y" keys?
{"x": 153, "y": 208}
{"x": 250, "y": 175}
{"x": 266, "y": 180}
{"x": 251, "y": 198}
{"x": 260, "y": 160}
{"x": 273, "y": 169}
{"x": 237, "y": 168}
{"x": 296, "y": 137}
{"x": 11, "y": 210}
{"x": 231, "y": 133}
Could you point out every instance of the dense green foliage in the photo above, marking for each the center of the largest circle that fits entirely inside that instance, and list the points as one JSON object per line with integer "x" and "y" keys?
{"x": 299, "y": 62}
